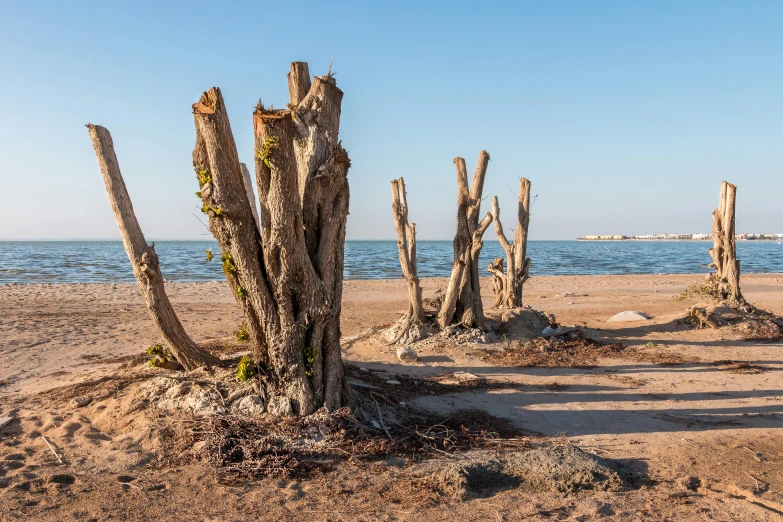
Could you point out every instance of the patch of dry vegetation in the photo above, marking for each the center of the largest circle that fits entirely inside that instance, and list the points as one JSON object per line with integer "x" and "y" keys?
{"x": 573, "y": 351}
{"x": 241, "y": 448}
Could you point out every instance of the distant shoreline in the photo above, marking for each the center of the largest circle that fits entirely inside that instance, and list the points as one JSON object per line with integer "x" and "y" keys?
{"x": 607, "y": 240}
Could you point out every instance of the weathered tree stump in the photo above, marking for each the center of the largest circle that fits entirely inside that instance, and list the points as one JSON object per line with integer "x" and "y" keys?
{"x": 518, "y": 264}
{"x": 289, "y": 275}
{"x": 462, "y": 302}
{"x": 143, "y": 258}
{"x": 410, "y": 327}
{"x": 726, "y": 279}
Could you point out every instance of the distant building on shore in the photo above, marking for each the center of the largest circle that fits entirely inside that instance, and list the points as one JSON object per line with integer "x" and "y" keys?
{"x": 681, "y": 237}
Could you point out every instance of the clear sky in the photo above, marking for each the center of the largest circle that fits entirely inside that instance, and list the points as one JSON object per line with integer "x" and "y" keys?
{"x": 624, "y": 115}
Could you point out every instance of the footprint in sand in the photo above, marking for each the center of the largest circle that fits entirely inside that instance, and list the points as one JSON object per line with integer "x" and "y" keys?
{"x": 71, "y": 428}
{"x": 61, "y": 478}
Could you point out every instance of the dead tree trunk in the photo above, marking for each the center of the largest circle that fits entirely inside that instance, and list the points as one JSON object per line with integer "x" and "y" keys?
{"x": 143, "y": 258}
{"x": 289, "y": 276}
{"x": 410, "y": 326}
{"x": 724, "y": 251}
{"x": 462, "y": 302}
{"x": 251, "y": 197}
{"x": 518, "y": 265}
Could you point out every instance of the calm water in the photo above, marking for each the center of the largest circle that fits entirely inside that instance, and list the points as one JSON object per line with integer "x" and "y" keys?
{"x": 106, "y": 261}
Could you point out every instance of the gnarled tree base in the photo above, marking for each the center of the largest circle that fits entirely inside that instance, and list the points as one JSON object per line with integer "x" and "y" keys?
{"x": 407, "y": 330}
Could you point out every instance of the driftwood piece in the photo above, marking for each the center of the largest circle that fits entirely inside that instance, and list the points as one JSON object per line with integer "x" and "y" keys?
{"x": 143, "y": 258}
{"x": 462, "y": 302}
{"x": 518, "y": 264}
{"x": 406, "y": 246}
{"x": 498, "y": 281}
{"x": 726, "y": 280}
{"x": 289, "y": 275}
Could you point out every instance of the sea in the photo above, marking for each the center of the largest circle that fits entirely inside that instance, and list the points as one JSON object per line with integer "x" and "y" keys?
{"x": 30, "y": 262}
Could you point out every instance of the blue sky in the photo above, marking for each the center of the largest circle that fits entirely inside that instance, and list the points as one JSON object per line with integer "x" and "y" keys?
{"x": 624, "y": 115}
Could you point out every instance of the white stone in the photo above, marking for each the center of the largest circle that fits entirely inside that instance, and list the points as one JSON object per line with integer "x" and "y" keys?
{"x": 628, "y": 317}
{"x": 250, "y": 405}
{"x": 407, "y": 355}
{"x": 80, "y": 402}
{"x": 4, "y": 421}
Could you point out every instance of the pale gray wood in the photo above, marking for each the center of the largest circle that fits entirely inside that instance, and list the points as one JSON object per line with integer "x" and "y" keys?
{"x": 143, "y": 258}
{"x": 462, "y": 302}
{"x": 726, "y": 280}
{"x": 406, "y": 246}
{"x": 511, "y": 283}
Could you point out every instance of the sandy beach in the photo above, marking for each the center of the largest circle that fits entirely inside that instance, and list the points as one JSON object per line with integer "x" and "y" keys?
{"x": 712, "y": 416}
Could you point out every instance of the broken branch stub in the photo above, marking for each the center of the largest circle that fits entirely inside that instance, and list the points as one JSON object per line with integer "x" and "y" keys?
{"x": 143, "y": 258}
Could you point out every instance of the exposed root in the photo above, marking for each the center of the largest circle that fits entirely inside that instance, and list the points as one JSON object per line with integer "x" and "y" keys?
{"x": 406, "y": 331}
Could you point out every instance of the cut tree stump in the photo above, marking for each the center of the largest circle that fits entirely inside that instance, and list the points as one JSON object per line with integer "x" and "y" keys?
{"x": 462, "y": 302}
{"x": 143, "y": 258}
{"x": 726, "y": 280}
{"x": 508, "y": 289}
{"x": 289, "y": 275}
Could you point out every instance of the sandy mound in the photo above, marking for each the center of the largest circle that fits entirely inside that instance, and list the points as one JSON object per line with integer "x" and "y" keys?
{"x": 550, "y": 468}
{"x": 745, "y": 322}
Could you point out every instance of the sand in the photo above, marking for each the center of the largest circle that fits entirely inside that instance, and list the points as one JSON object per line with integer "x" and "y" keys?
{"x": 706, "y": 421}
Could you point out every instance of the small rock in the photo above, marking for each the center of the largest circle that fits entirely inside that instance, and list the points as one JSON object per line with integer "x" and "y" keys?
{"x": 629, "y": 316}
{"x": 251, "y": 405}
{"x": 571, "y": 302}
{"x": 393, "y": 382}
{"x": 280, "y": 405}
{"x": 81, "y": 402}
{"x": 407, "y": 355}
{"x": 362, "y": 369}
{"x": 542, "y": 297}
{"x": 198, "y": 446}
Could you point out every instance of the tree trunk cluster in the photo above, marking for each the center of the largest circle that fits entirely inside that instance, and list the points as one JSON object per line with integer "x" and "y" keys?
{"x": 284, "y": 264}
{"x": 462, "y": 301}
{"x": 724, "y": 251}
{"x": 507, "y": 286}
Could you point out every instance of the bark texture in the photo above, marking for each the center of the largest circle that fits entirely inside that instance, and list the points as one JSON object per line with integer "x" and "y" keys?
{"x": 508, "y": 289}
{"x": 143, "y": 258}
{"x": 406, "y": 246}
{"x": 724, "y": 251}
{"x": 462, "y": 302}
{"x": 251, "y": 197}
{"x": 289, "y": 274}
